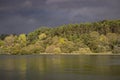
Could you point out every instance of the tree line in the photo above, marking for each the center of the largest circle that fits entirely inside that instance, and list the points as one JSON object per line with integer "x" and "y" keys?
{"x": 96, "y": 37}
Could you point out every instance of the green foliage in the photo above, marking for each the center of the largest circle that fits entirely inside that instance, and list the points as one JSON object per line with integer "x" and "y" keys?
{"x": 42, "y": 36}
{"x": 22, "y": 39}
{"x": 57, "y": 50}
{"x": 53, "y": 49}
{"x": 1, "y": 43}
{"x": 83, "y": 50}
{"x": 116, "y": 50}
{"x": 97, "y": 37}
{"x": 112, "y": 38}
{"x": 68, "y": 47}
{"x": 16, "y": 49}
{"x": 9, "y": 40}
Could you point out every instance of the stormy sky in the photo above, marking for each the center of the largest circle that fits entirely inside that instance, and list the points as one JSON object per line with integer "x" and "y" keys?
{"x": 23, "y": 16}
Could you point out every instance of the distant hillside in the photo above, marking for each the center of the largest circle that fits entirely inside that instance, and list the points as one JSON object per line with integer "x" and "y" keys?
{"x": 96, "y": 37}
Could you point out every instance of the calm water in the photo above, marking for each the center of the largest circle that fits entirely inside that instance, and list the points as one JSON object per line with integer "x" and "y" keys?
{"x": 59, "y": 67}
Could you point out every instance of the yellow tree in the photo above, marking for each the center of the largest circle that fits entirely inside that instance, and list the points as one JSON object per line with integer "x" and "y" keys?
{"x": 22, "y": 39}
{"x": 9, "y": 40}
{"x": 9, "y": 43}
{"x": 42, "y": 36}
{"x": 103, "y": 44}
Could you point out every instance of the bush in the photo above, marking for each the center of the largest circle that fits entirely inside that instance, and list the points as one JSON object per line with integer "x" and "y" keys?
{"x": 53, "y": 49}
{"x": 57, "y": 50}
{"x": 116, "y": 50}
{"x": 83, "y": 50}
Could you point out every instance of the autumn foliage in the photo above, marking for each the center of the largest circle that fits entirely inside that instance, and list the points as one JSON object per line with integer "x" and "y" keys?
{"x": 97, "y": 37}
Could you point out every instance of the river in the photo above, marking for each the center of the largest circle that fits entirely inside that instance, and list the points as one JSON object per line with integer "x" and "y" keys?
{"x": 59, "y": 67}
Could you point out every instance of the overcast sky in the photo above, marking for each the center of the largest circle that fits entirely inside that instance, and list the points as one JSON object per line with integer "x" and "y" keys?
{"x": 23, "y": 16}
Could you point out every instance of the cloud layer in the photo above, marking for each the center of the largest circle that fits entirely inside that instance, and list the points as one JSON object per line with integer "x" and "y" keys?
{"x": 23, "y": 16}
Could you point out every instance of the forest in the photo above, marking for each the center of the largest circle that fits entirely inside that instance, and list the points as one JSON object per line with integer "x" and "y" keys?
{"x": 95, "y": 37}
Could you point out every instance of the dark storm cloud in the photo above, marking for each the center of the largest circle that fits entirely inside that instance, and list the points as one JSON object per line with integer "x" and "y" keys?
{"x": 23, "y": 16}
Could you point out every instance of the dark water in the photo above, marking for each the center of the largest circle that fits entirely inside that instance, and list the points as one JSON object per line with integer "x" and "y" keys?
{"x": 59, "y": 67}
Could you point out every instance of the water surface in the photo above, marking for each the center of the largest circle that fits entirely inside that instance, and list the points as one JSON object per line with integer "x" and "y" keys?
{"x": 59, "y": 67}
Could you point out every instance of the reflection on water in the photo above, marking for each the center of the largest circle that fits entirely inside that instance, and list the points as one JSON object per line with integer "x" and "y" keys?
{"x": 59, "y": 67}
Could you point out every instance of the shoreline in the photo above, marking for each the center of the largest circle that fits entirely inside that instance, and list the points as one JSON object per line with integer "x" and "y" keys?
{"x": 79, "y": 54}
{"x": 67, "y": 54}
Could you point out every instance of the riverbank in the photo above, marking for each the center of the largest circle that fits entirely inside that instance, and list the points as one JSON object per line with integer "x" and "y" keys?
{"x": 66, "y": 54}
{"x": 79, "y": 54}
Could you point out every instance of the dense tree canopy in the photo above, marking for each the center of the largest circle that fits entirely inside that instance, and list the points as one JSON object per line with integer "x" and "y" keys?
{"x": 97, "y": 37}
